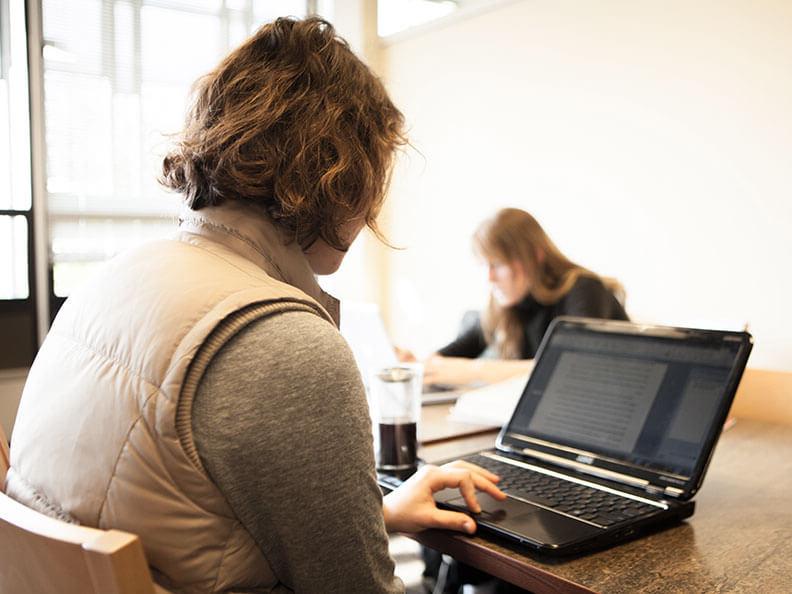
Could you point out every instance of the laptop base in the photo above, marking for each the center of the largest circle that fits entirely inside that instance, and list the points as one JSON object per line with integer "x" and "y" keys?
{"x": 560, "y": 536}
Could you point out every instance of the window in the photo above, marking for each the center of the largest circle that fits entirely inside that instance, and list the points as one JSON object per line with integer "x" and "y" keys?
{"x": 117, "y": 75}
{"x": 112, "y": 83}
{"x": 17, "y": 304}
{"x": 394, "y": 16}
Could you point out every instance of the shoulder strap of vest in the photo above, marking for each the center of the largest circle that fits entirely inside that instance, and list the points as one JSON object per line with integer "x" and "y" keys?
{"x": 219, "y": 337}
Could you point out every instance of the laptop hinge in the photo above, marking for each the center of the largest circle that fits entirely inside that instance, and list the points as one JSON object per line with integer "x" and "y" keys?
{"x": 658, "y": 491}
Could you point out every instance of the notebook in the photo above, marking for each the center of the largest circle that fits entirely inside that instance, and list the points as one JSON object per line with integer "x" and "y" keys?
{"x": 612, "y": 434}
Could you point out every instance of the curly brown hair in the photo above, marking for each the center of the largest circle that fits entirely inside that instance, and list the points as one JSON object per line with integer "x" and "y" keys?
{"x": 293, "y": 121}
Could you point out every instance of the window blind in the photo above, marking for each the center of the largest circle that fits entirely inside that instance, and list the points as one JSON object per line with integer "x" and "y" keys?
{"x": 15, "y": 194}
{"x": 117, "y": 76}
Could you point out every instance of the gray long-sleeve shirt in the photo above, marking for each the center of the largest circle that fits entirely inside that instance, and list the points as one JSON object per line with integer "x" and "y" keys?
{"x": 281, "y": 424}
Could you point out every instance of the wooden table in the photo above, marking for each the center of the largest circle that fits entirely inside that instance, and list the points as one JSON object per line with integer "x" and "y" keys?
{"x": 738, "y": 540}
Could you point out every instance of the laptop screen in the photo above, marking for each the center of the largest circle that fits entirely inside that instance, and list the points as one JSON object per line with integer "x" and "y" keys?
{"x": 648, "y": 400}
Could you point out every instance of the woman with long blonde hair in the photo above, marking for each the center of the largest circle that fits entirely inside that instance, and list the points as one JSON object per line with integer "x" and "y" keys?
{"x": 532, "y": 283}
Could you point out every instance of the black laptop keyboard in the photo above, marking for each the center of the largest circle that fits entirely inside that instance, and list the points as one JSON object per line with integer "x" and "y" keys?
{"x": 594, "y": 505}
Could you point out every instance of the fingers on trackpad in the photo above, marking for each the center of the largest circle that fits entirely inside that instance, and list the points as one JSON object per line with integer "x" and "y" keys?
{"x": 531, "y": 522}
{"x": 494, "y": 510}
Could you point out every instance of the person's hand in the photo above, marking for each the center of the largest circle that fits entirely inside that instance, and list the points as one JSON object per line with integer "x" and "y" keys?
{"x": 411, "y": 507}
{"x": 461, "y": 371}
{"x": 404, "y": 355}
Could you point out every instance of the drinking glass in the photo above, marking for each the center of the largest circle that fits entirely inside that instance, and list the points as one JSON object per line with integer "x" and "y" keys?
{"x": 396, "y": 407}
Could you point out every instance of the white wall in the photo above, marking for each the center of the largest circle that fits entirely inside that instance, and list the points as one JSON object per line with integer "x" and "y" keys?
{"x": 652, "y": 139}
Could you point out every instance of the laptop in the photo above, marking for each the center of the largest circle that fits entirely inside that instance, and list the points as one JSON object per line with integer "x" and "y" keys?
{"x": 612, "y": 434}
{"x": 364, "y": 331}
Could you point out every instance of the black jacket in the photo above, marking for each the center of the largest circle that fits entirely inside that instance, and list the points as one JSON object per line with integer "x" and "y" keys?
{"x": 588, "y": 298}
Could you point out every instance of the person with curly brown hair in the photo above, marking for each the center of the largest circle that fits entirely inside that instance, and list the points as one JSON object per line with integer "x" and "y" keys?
{"x": 196, "y": 391}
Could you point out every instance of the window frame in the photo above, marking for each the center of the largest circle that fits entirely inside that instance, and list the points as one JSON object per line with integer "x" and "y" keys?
{"x": 20, "y": 346}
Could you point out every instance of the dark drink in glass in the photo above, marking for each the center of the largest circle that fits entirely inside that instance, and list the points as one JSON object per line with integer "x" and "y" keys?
{"x": 397, "y": 446}
{"x": 395, "y": 397}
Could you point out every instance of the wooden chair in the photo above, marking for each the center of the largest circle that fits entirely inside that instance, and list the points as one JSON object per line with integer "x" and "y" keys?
{"x": 764, "y": 395}
{"x": 5, "y": 459}
{"x": 42, "y": 555}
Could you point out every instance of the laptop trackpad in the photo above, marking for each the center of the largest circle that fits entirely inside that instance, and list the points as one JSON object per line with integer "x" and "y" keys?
{"x": 529, "y": 521}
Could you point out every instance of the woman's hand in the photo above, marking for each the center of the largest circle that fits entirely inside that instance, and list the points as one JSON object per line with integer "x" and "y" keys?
{"x": 411, "y": 507}
{"x": 404, "y": 355}
{"x": 461, "y": 371}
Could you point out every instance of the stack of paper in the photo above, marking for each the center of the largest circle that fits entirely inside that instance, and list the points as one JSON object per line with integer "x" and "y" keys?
{"x": 490, "y": 405}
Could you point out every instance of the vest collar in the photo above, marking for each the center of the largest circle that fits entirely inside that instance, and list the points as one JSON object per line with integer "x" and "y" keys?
{"x": 248, "y": 230}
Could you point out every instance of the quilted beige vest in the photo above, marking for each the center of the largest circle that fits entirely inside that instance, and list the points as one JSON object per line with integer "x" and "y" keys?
{"x": 103, "y": 434}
